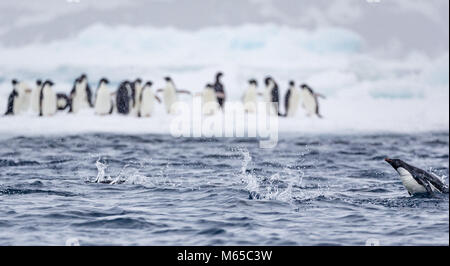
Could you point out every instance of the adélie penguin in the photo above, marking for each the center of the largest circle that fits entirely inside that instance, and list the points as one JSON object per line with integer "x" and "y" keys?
{"x": 417, "y": 181}
{"x": 147, "y": 100}
{"x": 272, "y": 96}
{"x": 170, "y": 94}
{"x": 210, "y": 104}
{"x": 220, "y": 90}
{"x": 80, "y": 95}
{"x": 291, "y": 100}
{"x": 123, "y": 97}
{"x": 62, "y": 101}
{"x": 103, "y": 102}
{"x": 13, "y": 105}
{"x": 249, "y": 98}
{"x": 310, "y": 101}
{"x": 47, "y": 104}
{"x": 135, "y": 94}
{"x": 35, "y": 96}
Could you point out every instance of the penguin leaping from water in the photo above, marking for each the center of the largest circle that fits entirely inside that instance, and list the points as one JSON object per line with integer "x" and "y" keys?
{"x": 310, "y": 100}
{"x": 47, "y": 104}
{"x": 147, "y": 100}
{"x": 80, "y": 95}
{"x": 417, "y": 181}
{"x": 103, "y": 101}
{"x": 170, "y": 94}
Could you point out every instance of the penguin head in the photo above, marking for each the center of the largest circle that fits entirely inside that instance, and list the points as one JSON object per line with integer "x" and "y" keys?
{"x": 48, "y": 82}
{"x": 291, "y": 83}
{"x": 104, "y": 80}
{"x": 395, "y": 163}
{"x": 209, "y": 86}
{"x": 38, "y": 82}
{"x": 148, "y": 84}
{"x": 253, "y": 82}
{"x": 138, "y": 80}
{"x": 83, "y": 77}
{"x": 219, "y": 75}
{"x": 167, "y": 79}
{"x": 267, "y": 80}
{"x": 304, "y": 86}
{"x": 14, "y": 82}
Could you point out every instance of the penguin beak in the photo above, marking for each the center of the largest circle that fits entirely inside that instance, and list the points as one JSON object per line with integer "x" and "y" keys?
{"x": 388, "y": 160}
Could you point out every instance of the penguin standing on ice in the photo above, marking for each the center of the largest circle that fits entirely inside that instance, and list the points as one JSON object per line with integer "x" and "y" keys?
{"x": 80, "y": 95}
{"x": 13, "y": 105}
{"x": 310, "y": 100}
{"x": 135, "y": 94}
{"x": 62, "y": 101}
{"x": 220, "y": 90}
{"x": 123, "y": 98}
{"x": 249, "y": 98}
{"x": 291, "y": 100}
{"x": 417, "y": 181}
{"x": 24, "y": 97}
{"x": 170, "y": 94}
{"x": 47, "y": 104}
{"x": 103, "y": 101}
{"x": 35, "y": 97}
{"x": 147, "y": 100}
{"x": 210, "y": 102}
{"x": 271, "y": 95}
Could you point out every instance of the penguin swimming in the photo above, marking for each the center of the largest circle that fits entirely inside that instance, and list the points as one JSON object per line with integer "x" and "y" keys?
{"x": 417, "y": 181}
{"x": 220, "y": 90}
{"x": 310, "y": 101}
{"x": 103, "y": 101}
{"x": 62, "y": 101}
{"x": 35, "y": 97}
{"x": 170, "y": 94}
{"x": 147, "y": 100}
{"x": 210, "y": 104}
{"x": 271, "y": 95}
{"x": 123, "y": 97}
{"x": 47, "y": 104}
{"x": 13, "y": 105}
{"x": 291, "y": 100}
{"x": 250, "y": 96}
{"x": 80, "y": 95}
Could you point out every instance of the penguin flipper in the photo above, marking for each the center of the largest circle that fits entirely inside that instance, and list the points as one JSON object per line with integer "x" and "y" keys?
{"x": 89, "y": 95}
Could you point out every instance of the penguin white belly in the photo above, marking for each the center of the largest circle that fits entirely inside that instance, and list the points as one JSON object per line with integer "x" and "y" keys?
{"x": 170, "y": 98}
{"x": 210, "y": 104}
{"x": 268, "y": 99}
{"x": 148, "y": 103}
{"x": 35, "y": 95}
{"x": 294, "y": 102}
{"x": 250, "y": 100}
{"x": 410, "y": 183}
{"x": 49, "y": 103}
{"x": 103, "y": 102}
{"x": 309, "y": 103}
{"x": 26, "y": 99}
{"x": 16, "y": 106}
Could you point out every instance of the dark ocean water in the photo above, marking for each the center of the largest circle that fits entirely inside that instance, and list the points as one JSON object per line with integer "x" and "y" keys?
{"x": 309, "y": 190}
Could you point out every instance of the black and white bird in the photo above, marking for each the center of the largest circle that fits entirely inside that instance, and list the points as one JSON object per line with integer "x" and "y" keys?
{"x": 417, "y": 181}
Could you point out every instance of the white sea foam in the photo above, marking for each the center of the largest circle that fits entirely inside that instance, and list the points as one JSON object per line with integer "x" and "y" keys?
{"x": 364, "y": 93}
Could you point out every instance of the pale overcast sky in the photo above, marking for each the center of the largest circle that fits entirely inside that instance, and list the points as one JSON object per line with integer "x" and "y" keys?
{"x": 421, "y": 25}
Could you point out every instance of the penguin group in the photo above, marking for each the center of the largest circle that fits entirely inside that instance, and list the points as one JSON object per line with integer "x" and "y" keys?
{"x": 138, "y": 98}
{"x": 295, "y": 96}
